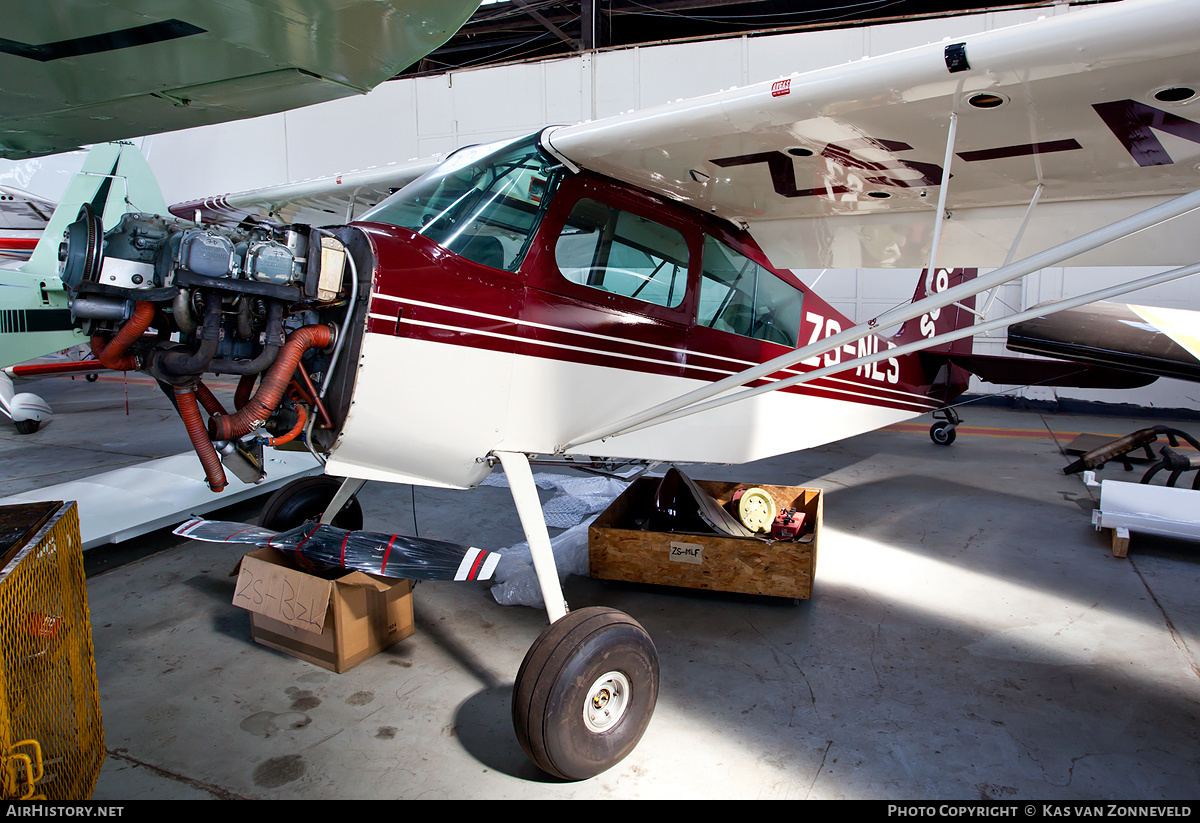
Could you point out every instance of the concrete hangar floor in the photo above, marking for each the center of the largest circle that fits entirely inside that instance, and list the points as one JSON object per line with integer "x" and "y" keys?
{"x": 970, "y": 636}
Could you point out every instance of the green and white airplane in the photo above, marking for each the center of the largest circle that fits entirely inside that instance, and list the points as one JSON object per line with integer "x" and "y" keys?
{"x": 35, "y": 318}
{"x": 88, "y": 72}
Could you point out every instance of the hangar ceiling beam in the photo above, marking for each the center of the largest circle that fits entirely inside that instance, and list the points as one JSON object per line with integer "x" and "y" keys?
{"x": 536, "y": 15}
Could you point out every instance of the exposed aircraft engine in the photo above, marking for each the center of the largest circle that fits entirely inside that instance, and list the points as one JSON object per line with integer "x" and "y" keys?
{"x": 269, "y": 303}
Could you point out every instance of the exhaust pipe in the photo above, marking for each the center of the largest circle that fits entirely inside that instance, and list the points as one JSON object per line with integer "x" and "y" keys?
{"x": 274, "y": 382}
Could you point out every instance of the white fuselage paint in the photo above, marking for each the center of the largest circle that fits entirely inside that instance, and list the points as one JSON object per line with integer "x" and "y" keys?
{"x": 430, "y": 413}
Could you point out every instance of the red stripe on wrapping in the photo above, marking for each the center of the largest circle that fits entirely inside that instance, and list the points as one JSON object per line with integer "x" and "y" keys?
{"x": 345, "y": 540}
{"x": 386, "y": 552}
{"x": 475, "y": 567}
{"x": 310, "y": 534}
{"x": 299, "y": 557}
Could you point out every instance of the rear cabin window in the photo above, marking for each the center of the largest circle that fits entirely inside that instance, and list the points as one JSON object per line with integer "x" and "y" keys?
{"x": 621, "y": 253}
{"x": 738, "y": 295}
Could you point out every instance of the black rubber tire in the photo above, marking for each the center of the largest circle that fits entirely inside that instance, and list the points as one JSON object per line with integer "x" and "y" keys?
{"x": 305, "y": 499}
{"x": 27, "y": 426}
{"x": 553, "y": 685}
{"x": 92, "y": 377}
{"x": 942, "y": 433}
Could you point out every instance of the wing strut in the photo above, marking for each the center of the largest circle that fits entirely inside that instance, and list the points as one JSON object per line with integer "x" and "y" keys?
{"x": 1050, "y": 257}
{"x": 942, "y": 192}
{"x": 1012, "y": 250}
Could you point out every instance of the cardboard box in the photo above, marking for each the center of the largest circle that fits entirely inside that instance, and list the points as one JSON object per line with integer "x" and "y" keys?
{"x": 619, "y": 547}
{"x": 335, "y": 624}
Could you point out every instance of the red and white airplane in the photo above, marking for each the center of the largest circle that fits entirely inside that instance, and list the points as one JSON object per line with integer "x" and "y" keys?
{"x": 23, "y": 215}
{"x": 620, "y": 289}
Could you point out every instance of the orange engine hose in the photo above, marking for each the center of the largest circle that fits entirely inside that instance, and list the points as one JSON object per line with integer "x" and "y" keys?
{"x": 301, "y": 419}
{"x": 112, "y": 353}
{"x": 189, "y": 410}
{"x": 245, "y": 388}
{"x": 274, "y": 383}
{"x": 208, "y": 400}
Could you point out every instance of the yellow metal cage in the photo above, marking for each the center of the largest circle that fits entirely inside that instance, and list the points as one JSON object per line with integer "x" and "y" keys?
{"x": 51, "y": 737}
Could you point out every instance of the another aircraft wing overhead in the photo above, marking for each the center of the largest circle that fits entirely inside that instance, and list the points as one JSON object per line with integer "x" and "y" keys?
{"x": 335, "y": 198}
{"x": 89, "y": 71}
{"x": 842, "y": 167}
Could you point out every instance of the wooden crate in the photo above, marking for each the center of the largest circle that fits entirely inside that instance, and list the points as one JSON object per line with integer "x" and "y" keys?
{"x": 620, "y": 548}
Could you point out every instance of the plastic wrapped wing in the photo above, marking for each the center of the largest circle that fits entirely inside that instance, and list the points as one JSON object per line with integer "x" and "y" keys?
{"x": 317, "y": 547}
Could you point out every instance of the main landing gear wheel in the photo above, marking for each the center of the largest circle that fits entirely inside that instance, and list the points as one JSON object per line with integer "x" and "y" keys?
{"x": 942, "y": 433}
{"x": 585, "y": 692}
{"x": 305, "y": 499}
{"x": 27, "y": 426}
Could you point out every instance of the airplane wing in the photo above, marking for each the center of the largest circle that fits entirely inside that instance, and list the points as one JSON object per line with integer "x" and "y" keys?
{"x": 321, "y": 200}
{"x": 1022, "y": 371}
{"x": 1093, "y": 115}
{"x": 92, "y": 71}
{"x": 1156, "y": 341}
{"x": 22, "y": 210}
{"x": 23, "y": 216}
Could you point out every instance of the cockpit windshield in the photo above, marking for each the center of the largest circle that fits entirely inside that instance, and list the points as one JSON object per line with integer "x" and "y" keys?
{"x": 483, "y": 202}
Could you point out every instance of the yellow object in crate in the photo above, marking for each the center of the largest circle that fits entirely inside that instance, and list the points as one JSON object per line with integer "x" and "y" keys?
{"x": 51, "y": 738}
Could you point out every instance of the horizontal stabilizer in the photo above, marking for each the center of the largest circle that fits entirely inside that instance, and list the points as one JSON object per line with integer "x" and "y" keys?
{"x": 319, "y": 548}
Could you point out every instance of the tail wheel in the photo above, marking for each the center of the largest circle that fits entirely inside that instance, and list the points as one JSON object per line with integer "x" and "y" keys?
{"x": 585, "y": 692}
{"x": 306, "y": 499}
{"x": 942, "y": 433}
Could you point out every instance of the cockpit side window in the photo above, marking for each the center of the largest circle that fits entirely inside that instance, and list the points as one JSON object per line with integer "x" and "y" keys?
{"x": 738, "y": 295}
{"x": 482, "y": 203}
{"x": 622, "y": 253}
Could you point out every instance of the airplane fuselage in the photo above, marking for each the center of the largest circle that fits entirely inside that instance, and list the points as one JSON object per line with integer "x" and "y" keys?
{"x": 500, "y": 303}
{"x": 581, "y": 326}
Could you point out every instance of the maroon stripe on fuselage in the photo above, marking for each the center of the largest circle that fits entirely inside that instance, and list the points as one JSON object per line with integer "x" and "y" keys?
{"x": 443, "y": 325}
{"x": 442, "y": 298}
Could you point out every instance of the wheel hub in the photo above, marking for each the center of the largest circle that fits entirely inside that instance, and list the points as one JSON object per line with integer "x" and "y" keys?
{"x": 606, "y": 701}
